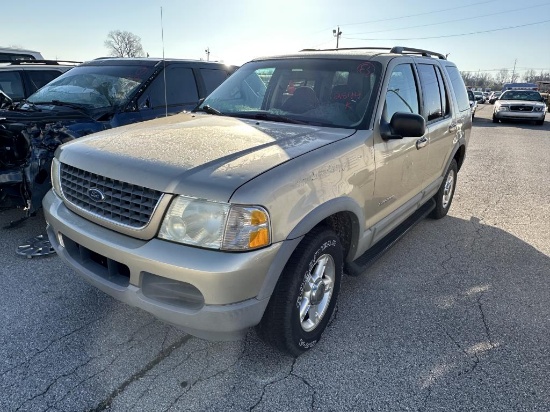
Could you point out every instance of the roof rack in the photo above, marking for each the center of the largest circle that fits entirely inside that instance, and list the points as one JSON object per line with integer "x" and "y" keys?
{"x": 410, "y": 50}
{"x": 395, "y": 49}
{"x": 347, "y": 48}
{"x": 51, "y": 62}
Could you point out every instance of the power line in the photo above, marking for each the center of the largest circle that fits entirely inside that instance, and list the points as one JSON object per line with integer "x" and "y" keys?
{"x": 455, "y": 35}
{"x": 452, "y": 21}
{"x": 412, "y": 15}
{"x": 422, "y": 14}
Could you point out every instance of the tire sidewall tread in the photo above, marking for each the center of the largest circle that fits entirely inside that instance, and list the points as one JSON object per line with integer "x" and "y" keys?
{"x": 280, "y": 326}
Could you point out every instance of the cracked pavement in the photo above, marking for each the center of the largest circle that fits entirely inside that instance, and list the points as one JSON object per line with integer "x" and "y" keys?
{"x": 456, "y": 316}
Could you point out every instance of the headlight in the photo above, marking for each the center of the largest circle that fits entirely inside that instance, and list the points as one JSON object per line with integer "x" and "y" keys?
{"x": 501, "y": 108}
{"x": 56, "y": 180}
{"x": 216, "y": 225}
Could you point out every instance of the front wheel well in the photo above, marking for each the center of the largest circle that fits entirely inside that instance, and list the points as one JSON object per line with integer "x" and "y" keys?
{"x": 345, "y": 226}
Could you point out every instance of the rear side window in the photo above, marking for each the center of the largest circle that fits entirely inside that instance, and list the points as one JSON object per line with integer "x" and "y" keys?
{"x": 212, "y": 78}
{"x": 181, "y": 88}
{"x": 459, "y": 88}
{"x": 12, "y": 84}
{"x": 40, "y": 78}
{"x": 433, "y": 90}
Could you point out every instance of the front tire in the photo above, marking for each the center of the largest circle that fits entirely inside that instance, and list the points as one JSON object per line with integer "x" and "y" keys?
{"x": 495, "y": 120}
{"x": 445, "y": 194}
{"x": 539, "y": 122}
{"x": 305, "y": 295}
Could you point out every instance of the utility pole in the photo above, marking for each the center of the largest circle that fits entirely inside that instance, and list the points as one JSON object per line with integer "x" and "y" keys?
{"x": 337, "y": 33}
{"x": 513, "y": 80}
{"x": 207, "y": 54}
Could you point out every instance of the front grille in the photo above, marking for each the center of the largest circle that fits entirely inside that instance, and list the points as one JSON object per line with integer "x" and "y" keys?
{"x": 115, "y": 201}
{"x": 521, "y": 108}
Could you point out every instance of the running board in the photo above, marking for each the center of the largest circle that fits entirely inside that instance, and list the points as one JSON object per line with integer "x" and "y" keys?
{"x": 360, "y": 265}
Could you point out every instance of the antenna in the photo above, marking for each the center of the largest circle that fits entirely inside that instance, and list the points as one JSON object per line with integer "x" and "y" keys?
{"x": 164, "y": 62}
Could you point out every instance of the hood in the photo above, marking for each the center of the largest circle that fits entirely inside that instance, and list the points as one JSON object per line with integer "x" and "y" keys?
{"x": 204, "y": 156}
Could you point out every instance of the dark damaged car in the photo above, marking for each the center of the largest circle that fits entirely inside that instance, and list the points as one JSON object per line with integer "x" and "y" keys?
{"x": 95, "y": 96}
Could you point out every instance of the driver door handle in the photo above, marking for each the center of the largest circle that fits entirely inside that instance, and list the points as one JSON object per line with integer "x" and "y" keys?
{"x": 452, "y": 127}
{"x": 420, "y": 143}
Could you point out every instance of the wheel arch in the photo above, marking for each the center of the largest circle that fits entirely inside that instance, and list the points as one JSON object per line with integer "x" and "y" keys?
{"x": 342, "y": 215}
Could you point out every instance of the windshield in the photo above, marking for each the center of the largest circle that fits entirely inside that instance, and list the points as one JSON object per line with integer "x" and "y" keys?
{"x": 328, "y": 92}
{"x": 521, "y": 95}
{"x": 94, "y": 87}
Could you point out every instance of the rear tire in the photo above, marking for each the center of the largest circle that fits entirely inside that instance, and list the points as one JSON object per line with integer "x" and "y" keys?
{"x": 305, "y": 295}
{"x": 444, "y": 196}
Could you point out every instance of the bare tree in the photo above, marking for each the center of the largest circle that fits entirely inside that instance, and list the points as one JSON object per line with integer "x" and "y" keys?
{"x": 124, "y": 44}
{"x": 530, "y": 76}
{"x": 502, "y": 76}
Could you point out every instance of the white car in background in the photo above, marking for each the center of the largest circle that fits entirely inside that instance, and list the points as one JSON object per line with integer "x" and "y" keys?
{"x": 520, "y": 105}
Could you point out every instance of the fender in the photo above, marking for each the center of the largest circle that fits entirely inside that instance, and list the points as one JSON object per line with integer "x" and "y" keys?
{"x": 333, "y": 206}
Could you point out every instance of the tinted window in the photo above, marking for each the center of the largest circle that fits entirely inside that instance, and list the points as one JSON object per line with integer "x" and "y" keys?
{"x": 180, "y": 88}
{"x": 459, "y": 88}
{"x": 430, "y": 91}
{"x": 443, "y": 92}
{"x": 402, "y": 94}
{"x": 40, "y": 78}
{"x": 212, "y": 78}
{"x": 435, "y": 95}
{"x": 12, "y": 85}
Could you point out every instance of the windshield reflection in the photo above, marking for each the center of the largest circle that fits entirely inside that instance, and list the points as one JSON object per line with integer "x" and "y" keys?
{"x": 327, "y": 92}
{"x": 94, "y": 87}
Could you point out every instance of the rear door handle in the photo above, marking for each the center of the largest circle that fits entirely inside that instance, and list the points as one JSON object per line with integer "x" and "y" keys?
{"x": 452, "y": 127}
{"x": 420, "y": 143}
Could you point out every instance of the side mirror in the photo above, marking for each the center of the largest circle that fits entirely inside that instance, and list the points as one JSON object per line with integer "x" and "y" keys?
{"x": 403, "y": 125}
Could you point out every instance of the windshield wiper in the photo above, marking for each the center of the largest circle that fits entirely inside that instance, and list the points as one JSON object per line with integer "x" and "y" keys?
{"x": 31, "y": 107}
{"x": 269, "y": 117}
{"x": 211, "y": 110}
{"x": 79, "y": 107}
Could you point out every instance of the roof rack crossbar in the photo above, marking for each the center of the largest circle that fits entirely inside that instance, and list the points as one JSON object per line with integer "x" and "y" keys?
{"x": 426, "y": 53}
{"x": 395, "y": 49}
{"x": 348, "y": 48}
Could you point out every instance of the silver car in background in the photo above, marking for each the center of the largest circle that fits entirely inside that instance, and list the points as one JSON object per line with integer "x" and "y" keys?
{"x": 520, "y": 105}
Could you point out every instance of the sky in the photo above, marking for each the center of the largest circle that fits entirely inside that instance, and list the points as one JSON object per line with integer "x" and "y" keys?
{"x": 479, "y": 36}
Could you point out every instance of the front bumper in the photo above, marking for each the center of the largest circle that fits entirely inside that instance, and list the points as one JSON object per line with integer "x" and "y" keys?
{"x": 517, "y": 115}
{"x": 229, "y": 291}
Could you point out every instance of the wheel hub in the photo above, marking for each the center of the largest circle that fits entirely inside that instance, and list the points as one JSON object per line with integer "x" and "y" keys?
{"x": 317, "y": 292}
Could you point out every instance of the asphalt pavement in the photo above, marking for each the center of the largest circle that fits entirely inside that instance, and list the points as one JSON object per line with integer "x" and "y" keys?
{"x": 455, "y": 317}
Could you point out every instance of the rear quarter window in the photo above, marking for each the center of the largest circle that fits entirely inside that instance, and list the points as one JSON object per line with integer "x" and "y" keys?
{"x": 459, "y": 88}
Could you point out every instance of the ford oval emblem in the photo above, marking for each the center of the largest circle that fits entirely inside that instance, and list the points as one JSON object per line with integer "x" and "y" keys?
{"x": 96, "y": 195}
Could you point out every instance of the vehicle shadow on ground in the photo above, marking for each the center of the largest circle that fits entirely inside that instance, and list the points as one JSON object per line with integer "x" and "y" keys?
{"x": 449, "y": 309}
